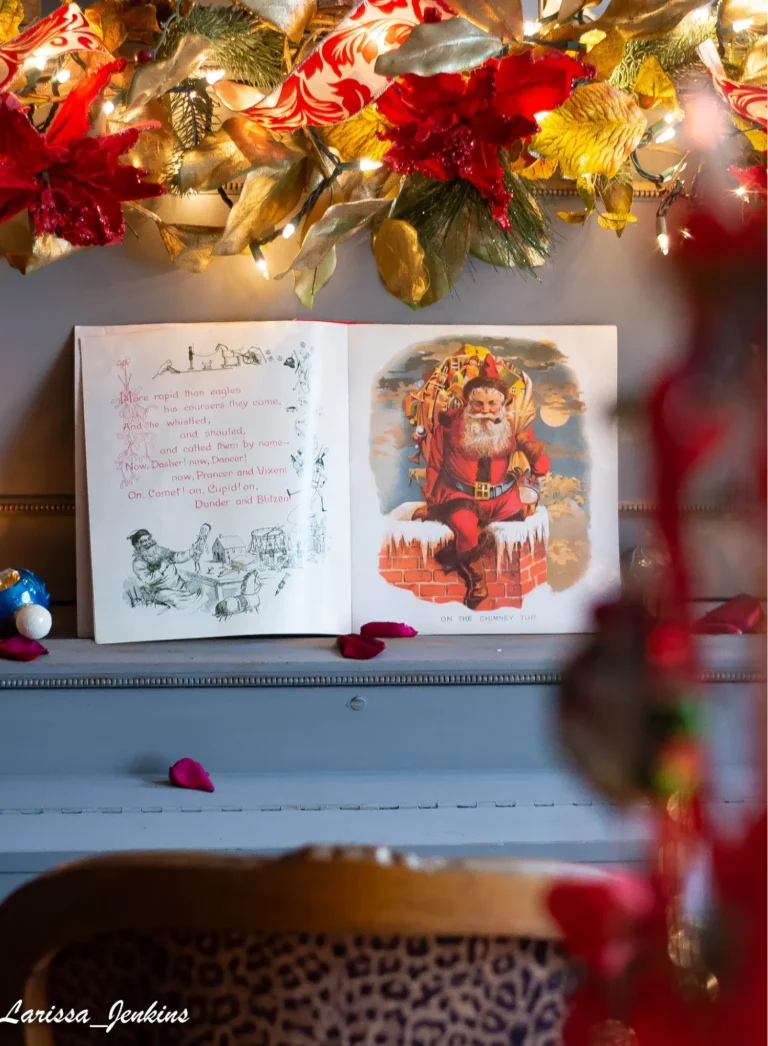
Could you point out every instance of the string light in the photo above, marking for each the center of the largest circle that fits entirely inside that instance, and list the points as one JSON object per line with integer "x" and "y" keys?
{"x": 531, "y": 28}
{"x": 63, "y": 75}
{"x": 686, "y": 233}
{"x": 741, "y": 24}
{"x": 742, "y": 192}
{"x": 662, "y": 236}
{"x": 367, "y": 164}
{"x": 666, "y": 135}
{"x": 107, "y": 108}
{"x": 288, "y": 230}
{"x": 214, "y": 75}
{"x": 674, "y": 117}
{"x": 38, "y": 61}
{"x": 261, "y": 265}
{"x": 701, "y": 14}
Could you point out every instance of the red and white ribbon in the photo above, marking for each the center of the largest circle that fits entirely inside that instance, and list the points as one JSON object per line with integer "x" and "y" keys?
{"x": 746, "y": 100}
{"x": 338, "y": 79}
{"x": 67, "y": 29}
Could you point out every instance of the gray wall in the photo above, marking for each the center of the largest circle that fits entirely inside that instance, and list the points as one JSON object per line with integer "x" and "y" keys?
{"x": 594, "y": 278}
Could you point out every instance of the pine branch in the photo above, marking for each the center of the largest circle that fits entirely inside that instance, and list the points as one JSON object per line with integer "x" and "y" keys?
{"x": 675, "y": 51}
{"x": 192, "y": 116}
{"x": 246, "y": 48}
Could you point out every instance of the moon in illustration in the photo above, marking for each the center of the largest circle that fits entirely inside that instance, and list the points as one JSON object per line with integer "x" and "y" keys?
{"x": 554, "y": 416}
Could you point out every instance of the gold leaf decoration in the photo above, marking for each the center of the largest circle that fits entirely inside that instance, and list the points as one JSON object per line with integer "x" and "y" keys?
{"x": 539, "y": 170}
{"x": 585, "y": 187}
{"x": 268, "y": 196}
{"x": 573, "y": 217}
{"x": 501, "y": 18}
{"x": 617, "y": 222}
{"x": 157, "y": 147}
{"x": 155, "y": 78}
{"x": 444, "y": 266}
{"x": 594, "y": 132}
{"x": 400, "y": 260}
{"x": 106, "y": 16}
{"x": 606, "y": 54}
{"x": 11, "y": 16}
{"x": 307, "y": 283}
{"x": 654, "y": 87}
{"x": 757, "y": 139}
{"x": 190, "y": 246}
{"x": 338, "y": 223}
{"x": 617, "y": 194}
{"x": 440, "y": 47}
{"x": 358, "y": 137}
{"x": 644, "y": 19}
{"x": 42, "y": 250}
{"x": 569, "y": 8}
{"x": 237, "y": 147}
{"x": 289, "y": 16}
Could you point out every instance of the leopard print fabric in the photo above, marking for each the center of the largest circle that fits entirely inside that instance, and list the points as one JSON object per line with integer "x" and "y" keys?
{"x": 268, "y": 989}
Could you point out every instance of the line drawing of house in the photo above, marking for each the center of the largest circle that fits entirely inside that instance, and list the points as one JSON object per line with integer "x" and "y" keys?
{"x": 272, "y": 548}
{"x": 226, "y": 547}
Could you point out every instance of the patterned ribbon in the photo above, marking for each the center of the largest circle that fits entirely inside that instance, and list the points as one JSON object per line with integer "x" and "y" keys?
{"x": 337, "y": 79}
{"x": 746, "y": 100}
{"x": 67, "y": 29}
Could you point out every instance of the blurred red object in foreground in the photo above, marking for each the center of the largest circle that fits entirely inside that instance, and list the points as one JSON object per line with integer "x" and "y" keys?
{"x": 736, "y": 616}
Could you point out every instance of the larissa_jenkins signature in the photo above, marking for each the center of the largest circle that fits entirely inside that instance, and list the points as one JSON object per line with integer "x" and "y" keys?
{"x": 119, "y": 1013}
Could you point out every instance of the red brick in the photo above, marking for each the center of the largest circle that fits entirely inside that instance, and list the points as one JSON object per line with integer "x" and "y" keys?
{"x": 514, "y": 589}
{"x": 405, "y": 563}
{"x": 490, "y": 575}
{"x": 528, "y": 586}
{"x": 417, "y": 575}
{"x": 509, "y": 601}
{"x": 526, "y": 575}
{"x": 456, "y": 590}
{"x": 489, "y": 604}
{"x": 385, "y": 562}
{"x": 539, "y": 571}
{"x": 392, "y": 576}
{"x": 445, "y": 599}
{"x": 496, "y": 588}
{"x": 409, "y": 588}
{"x": 432, "y": 590}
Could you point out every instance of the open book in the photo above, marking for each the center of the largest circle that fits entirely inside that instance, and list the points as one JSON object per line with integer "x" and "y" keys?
{"x": 304, "y": 477}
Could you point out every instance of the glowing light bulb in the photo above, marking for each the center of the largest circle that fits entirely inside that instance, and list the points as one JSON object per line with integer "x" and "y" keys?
{"x": 741, "y": 24}
{"x": 663, "y": 241}
{"x": 701, "y": 14}
{"x": 214, "y": 75}
{"x": 531, "y": 28}
{"x": 288, "y": 230}
{"x": 674, "y": 117}
{"x": 63, "y": 75}
{"x": 261, "y": 265}
{"x": 38, "y": 61}
{"x": 369, "y": 165}
{"x": 107, "y": 108}
{"x": 538, "y": 117}
{"x": 742, "y": 192}
{"x": 666, "y": 135}
{"x": 686, "y": 233}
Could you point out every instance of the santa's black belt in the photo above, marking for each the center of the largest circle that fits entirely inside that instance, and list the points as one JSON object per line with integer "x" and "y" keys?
{"x": 482, "y": 491}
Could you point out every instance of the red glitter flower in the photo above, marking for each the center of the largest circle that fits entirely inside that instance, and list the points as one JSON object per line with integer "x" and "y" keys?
{"x": 452, "y": 125}
{"x": 71, "y": 182}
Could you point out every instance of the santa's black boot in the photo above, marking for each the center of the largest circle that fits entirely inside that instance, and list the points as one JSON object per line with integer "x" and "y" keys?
{"x": 471, "y": 572}
{"x": 447, "y": 558}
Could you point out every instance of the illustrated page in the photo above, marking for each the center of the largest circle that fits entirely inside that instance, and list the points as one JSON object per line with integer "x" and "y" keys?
{"x": 484, "y": 464}
{"x": 218, "y": 491}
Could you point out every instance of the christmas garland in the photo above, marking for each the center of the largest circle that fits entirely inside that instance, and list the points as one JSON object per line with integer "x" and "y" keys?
{"x": 434, "y": 125}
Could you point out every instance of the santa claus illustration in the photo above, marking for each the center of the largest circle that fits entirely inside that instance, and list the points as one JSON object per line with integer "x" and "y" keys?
{"x": 482, "y": 465}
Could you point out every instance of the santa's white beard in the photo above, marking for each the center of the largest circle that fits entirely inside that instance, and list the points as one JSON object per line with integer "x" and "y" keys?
{"x": 484, "y": 437}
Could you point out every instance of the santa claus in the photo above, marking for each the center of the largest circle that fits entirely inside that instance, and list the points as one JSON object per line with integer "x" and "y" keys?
{"x": 481, "y": 469}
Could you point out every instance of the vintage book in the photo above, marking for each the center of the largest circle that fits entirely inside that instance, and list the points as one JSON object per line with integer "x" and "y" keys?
{"x": 300, "y": 477}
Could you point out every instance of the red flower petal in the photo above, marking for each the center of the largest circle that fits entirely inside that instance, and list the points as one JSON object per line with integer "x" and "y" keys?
{"x": 72, "y": 120}
{"x": 388, "y": 629}
{"x": 359, "y": 648}
{"x": 18, "y": 648}
{"x": 186, "y": 773}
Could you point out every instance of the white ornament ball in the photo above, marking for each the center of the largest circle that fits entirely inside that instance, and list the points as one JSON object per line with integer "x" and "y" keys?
{"x": 33, "y": 621}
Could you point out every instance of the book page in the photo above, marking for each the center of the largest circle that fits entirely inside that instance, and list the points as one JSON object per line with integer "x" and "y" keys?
{"x": 218, "y": 490}
{"x": 484, "y": 476}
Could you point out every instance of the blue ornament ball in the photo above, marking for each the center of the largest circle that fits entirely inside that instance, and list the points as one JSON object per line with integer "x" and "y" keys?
{"x": 19, "y": 588}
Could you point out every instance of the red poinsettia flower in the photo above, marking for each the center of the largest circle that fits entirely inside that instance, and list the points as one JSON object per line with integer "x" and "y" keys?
{"x": 752, "y": 179}
{"x": 452, "y": 125}
{"x": 71, "y": 182}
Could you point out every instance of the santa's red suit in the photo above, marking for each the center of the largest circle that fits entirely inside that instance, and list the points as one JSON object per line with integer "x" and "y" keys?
{"x": 468, "y": 493}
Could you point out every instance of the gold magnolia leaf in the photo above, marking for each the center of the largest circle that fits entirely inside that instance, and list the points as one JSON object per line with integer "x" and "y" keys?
{"x": 654, "y": 87}
{"x": 106, "y": 16}
{"x": 338, "y": 223}
{"x": 753, "y": 68}
{"x": 155, "y": 78}
{"x": 501, "y": 18}
{"x": 289, "y": 16}
{"x": 573, "y": 217}
{"x": 617, "y": 222}
{"x": 617, "y": 193}
{"x": 569, "y": 8}
{"x": 756, "y": 138}
{"x": 644, "y": 19}
{"x": 11, "y": 16}
{"x": 440, "y": 47}
{"x": 593, "y": 132}
{"x": 268, "y": 196}
{"x": 539, "y": 170}
{"x": 444, "y": 265}
{"x": 237, "y": 147}
{"x": 307, "y": 283}
{"x": 190, "y": 246}
{"x": 42, "y": 250}
{"x": 585, "y": 187}
{"x": 157, "y": 147}
{"x": 140, "y": 21}
{"x": 400, "y": 260}
{"x": 358, "y": 137}
{"x": 606, "y": 54}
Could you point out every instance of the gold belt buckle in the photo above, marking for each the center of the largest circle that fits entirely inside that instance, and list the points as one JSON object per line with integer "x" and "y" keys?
{"x": 482, "y": 491}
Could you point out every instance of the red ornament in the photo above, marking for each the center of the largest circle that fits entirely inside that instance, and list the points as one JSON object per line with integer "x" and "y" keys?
{"x": 72, "y": 183}
{"x": 144, "y": 55}
{"x": 452, "y": 125}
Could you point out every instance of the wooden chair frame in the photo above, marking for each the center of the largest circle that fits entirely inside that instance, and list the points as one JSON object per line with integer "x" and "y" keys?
{"x": 366, "y": 891}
